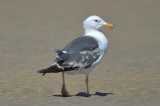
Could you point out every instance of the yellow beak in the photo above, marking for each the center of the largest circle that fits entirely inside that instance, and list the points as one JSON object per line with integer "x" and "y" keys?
{"x": 110, "y": 26}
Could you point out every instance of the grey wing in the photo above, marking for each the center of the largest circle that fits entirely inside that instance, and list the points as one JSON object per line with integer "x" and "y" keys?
{"x": 83, "y": 59}
{"x": 79, "y": 53}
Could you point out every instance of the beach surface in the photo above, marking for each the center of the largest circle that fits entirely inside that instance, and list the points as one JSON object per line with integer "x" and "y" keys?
{"x": 129, "y": 75}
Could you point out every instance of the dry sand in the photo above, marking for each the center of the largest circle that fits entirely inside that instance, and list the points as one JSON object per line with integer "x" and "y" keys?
{"x": 128, "y": 76}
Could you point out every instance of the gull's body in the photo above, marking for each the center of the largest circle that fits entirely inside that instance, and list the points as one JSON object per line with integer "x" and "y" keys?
{"x": 81, "y": 55}
{"x": 102, "y": 45}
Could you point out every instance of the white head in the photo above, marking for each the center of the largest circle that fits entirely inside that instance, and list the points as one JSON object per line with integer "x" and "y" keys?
{"x": 95, "y": 23}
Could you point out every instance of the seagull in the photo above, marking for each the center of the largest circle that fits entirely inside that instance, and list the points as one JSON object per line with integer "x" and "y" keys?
{"x": 82, "y": 54}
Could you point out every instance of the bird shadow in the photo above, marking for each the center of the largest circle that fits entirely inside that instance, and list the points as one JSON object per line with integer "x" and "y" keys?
{"x": 83, "y": 94}
{"x": 62, "y": 95}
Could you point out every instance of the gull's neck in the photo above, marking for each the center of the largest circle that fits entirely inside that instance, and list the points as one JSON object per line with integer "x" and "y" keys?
{"x": 91, "y": 31}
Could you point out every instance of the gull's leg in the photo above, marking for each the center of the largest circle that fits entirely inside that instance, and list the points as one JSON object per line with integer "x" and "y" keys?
{"x": 64, "y": 91}
{"x": 87, "y": 81}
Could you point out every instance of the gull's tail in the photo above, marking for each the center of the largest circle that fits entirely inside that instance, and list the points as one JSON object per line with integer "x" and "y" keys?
{"x": 55, "y": 69}
{"x": 51, "y": 69}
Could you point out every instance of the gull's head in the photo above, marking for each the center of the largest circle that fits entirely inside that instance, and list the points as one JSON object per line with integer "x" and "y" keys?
{"x": 95, "y": 23}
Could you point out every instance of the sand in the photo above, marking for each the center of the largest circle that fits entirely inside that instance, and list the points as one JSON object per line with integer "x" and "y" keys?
{"x": 128, "y": 76}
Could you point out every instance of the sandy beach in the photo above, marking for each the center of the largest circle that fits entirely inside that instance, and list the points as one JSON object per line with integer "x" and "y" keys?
{"x": 129, "y": 75}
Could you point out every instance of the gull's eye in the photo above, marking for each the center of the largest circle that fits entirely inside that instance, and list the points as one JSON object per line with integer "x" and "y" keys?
{"x": 96, "y": 20}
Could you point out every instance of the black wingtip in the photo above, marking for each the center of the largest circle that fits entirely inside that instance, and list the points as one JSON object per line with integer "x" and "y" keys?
{"x": 42, "y": 71}
{"x": 43, "y": 74}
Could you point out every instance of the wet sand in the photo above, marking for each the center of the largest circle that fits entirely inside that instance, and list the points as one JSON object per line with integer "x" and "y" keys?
{"x": 128, "y": 76}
